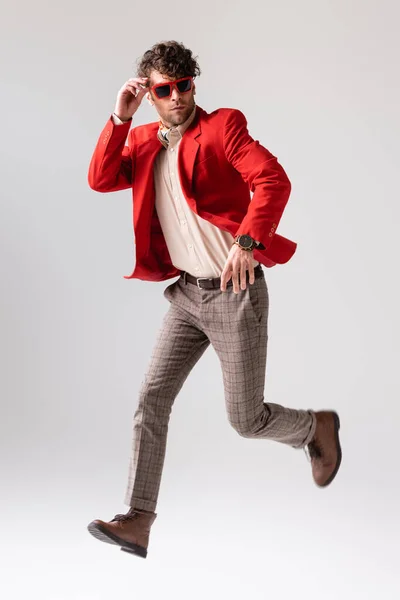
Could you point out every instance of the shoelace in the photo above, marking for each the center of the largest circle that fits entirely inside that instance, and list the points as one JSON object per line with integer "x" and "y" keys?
{"x": 312, "y": 450}
{"x": 315, "y": 450}
{"x": 127, "y": 517}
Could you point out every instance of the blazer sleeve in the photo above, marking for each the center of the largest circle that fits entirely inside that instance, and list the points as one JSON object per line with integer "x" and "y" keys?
{"x": 265, "y": 176}
{"x": 111, "y": 165}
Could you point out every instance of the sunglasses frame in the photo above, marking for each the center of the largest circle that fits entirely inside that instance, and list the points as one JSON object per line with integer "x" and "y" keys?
{"x": 172, "y": 84}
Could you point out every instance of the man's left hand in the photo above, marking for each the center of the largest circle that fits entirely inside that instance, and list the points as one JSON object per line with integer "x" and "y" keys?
{"x": 237, "y": 263}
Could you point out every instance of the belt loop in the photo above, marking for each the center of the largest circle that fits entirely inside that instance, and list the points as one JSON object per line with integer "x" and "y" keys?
{"x": 184, "y": 277}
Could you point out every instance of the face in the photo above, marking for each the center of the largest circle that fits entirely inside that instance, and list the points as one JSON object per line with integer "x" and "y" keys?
{"x": 166, "y": 106}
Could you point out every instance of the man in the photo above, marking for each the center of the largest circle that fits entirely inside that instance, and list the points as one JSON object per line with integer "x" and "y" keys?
{"x": 191, "y": 174}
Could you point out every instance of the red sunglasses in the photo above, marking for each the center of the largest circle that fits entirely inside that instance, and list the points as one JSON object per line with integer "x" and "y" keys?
{"x": 164, "y": 90}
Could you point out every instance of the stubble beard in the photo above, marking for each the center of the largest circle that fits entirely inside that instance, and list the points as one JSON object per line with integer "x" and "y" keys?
{"x": 182, "y": 116}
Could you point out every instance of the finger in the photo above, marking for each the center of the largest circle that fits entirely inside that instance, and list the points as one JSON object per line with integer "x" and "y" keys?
{"x": 235, "y": 278}
{"x": 129, "y": 87}
{"x": 142, "y": 91}
{"x": 142, "y": 85}
{"x": 135, "y": 90}
{"x": 138, "y": 80}
{"x": 225, "y": 276}
{"x": 243, "y": 275}
{"x": 134, "y": 84}
{"x": 251, "y": 273}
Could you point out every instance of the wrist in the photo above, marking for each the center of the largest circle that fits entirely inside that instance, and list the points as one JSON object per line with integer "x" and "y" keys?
{"x": 123, "y": 119}
{"x": 246, "y": 242}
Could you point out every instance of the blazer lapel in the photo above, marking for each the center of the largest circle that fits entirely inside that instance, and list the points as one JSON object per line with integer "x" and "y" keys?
{"x": 143, "y": 188}
{"x": 188, "y": 150}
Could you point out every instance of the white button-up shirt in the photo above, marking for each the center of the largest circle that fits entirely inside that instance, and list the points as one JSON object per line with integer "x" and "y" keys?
{"x": 194, "y": 244}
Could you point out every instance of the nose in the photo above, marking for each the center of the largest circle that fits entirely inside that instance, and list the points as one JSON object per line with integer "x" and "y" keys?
{"x": 175, "y": 94}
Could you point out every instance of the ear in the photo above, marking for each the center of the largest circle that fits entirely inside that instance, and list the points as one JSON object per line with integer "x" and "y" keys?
{"x": 149, "y": 100}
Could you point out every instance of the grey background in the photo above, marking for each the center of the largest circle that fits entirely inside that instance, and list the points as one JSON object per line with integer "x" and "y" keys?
{"x": 318, "y": 82}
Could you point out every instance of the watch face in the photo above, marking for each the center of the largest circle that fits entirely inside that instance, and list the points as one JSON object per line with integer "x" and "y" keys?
{"x": 245, "y": 240}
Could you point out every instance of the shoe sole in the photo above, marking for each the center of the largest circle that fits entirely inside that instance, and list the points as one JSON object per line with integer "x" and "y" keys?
{"x": 339, "y": 451}
{"x": 100, "y": 533}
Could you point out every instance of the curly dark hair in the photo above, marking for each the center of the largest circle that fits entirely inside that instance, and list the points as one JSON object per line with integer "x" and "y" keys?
{"x": 171, "y": 59}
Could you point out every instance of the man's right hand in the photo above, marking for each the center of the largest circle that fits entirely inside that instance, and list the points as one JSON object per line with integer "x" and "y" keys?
{"x": 130, "y": 96}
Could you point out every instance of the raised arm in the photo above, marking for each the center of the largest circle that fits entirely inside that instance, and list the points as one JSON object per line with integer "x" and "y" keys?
{"x": 111, "y": 166}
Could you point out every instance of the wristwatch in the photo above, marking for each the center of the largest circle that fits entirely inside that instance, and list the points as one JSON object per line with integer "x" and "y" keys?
{"x": 246, "y": 242}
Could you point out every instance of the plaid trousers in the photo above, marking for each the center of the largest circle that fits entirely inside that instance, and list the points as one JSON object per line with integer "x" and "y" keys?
{"x": 237, "y": 327}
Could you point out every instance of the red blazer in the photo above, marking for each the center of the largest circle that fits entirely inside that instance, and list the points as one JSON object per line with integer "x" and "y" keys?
{"x": 219, "y": 165}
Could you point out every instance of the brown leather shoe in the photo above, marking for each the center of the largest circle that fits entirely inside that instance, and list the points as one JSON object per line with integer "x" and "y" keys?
{"x": 130, "y": 531}
{"x": 324, "y": 449}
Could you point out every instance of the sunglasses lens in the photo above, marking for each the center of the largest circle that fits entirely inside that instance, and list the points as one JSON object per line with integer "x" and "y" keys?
{"x": 184, "y": 86}
{"x": 162, "y": 91}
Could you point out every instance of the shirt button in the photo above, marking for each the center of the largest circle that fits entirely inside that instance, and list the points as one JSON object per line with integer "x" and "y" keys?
{"x": 190, "y": 246}
{"x": 183, "y": 222}
{"x": 172, "y": 149}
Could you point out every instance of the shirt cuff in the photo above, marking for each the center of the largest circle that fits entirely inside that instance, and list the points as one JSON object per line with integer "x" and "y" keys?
{"x": 117, "y": 120}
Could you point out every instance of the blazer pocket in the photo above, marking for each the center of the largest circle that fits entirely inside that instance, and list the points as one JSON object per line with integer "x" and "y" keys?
{"x": 167, "y": 291}
{"x": 258, "y": 298}
{"x": 201, "y": 162}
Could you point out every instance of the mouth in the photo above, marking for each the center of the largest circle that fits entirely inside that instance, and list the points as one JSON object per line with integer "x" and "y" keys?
{"x": 178, "y": 108}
